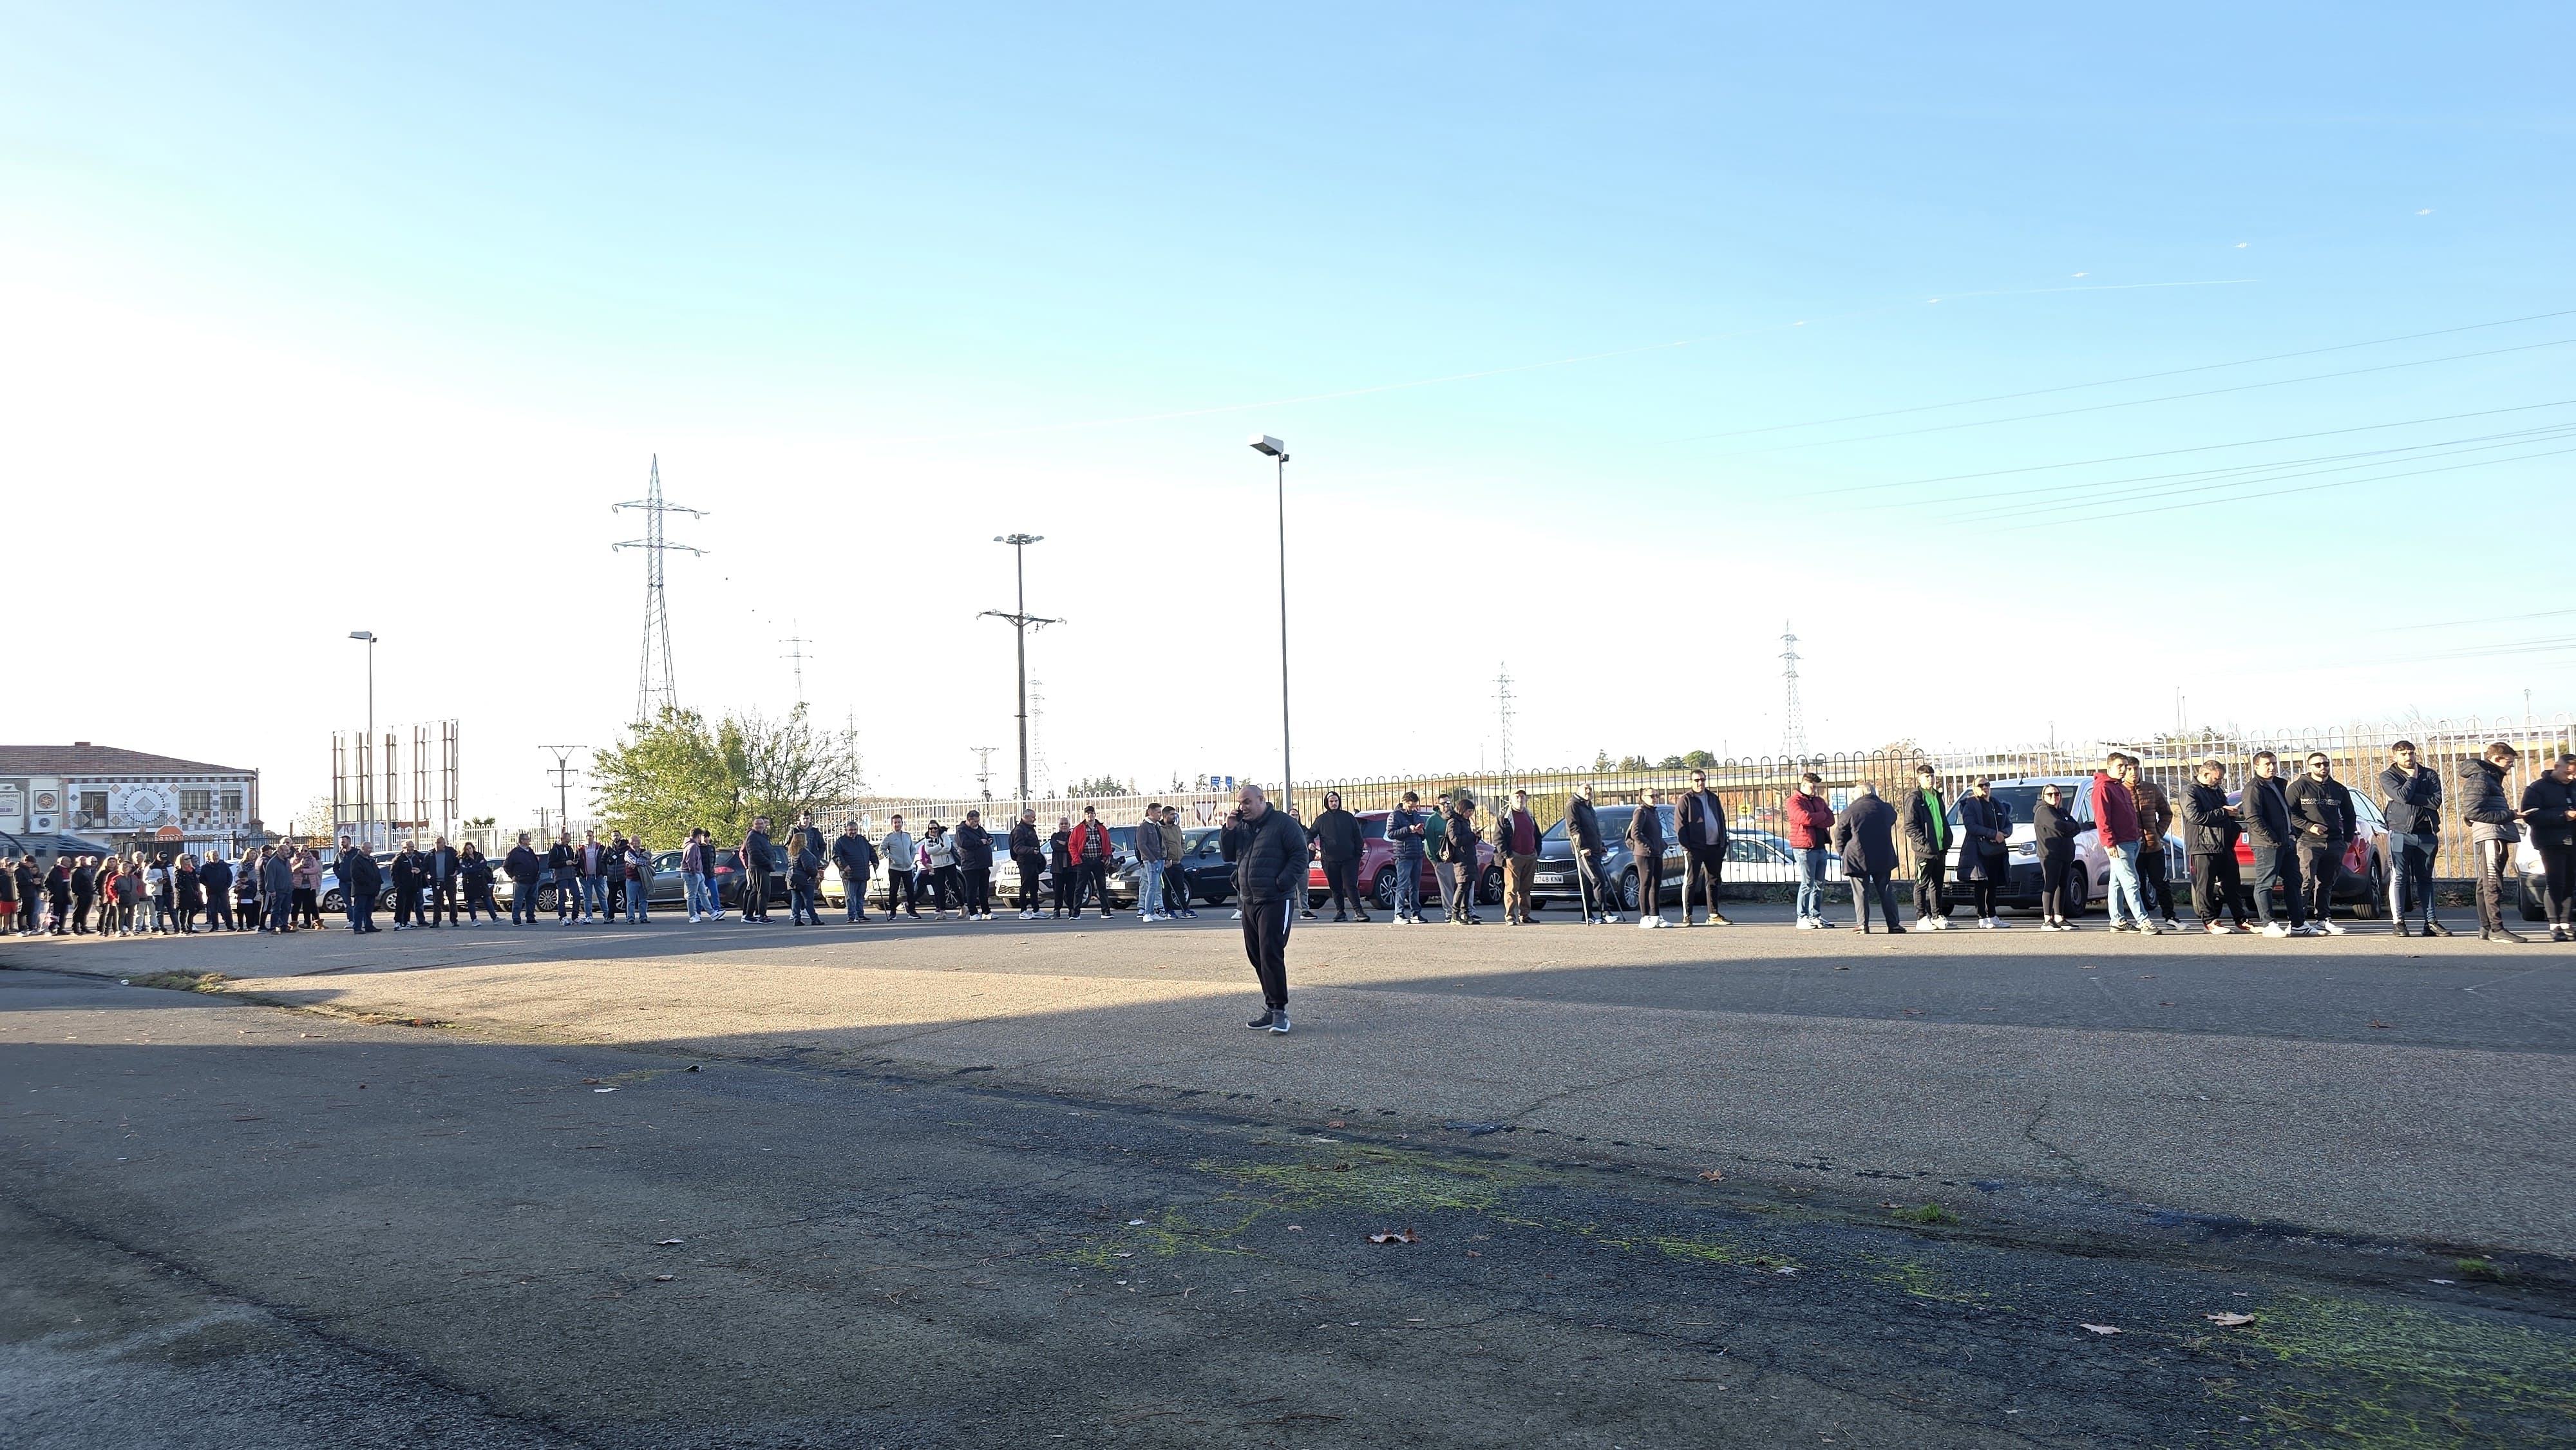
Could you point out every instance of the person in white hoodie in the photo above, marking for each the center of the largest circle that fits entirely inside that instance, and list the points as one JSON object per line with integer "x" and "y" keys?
{"x": 897, "y": 848}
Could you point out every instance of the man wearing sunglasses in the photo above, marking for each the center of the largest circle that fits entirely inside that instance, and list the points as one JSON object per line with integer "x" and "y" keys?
{"x": 2321, "y": 813}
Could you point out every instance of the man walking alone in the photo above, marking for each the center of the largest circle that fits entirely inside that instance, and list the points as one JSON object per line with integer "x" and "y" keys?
{"x": 1269, "y": 874}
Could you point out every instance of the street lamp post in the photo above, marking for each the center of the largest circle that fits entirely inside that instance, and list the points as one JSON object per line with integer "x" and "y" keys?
{"x": 1265, "y": 444}
{"x": 1021, "y": 623}
{"x": 563, "y": 773}
{"x": 366, "y": 782}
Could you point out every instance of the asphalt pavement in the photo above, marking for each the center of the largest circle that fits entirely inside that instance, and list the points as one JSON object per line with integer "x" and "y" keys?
{"x": 237, "y": 1223}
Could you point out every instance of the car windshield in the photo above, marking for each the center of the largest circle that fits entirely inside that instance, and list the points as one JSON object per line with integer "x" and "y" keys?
{"x": 1373, "y": 828}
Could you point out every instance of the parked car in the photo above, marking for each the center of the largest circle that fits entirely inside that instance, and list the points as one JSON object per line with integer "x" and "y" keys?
{"x": 1376, "y": 874}
{"x": 2361, "y": 878}
{"x": 329, "y": 891}
{"x": 668, "y": 891}
{"x": 2091, "y": 880}
{"x": 1557, "y": 877}
{"x": 1207, "y": 876}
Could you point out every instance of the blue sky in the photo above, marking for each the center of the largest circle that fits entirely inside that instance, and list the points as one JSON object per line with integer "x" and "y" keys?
{"x": 879, "y": 285}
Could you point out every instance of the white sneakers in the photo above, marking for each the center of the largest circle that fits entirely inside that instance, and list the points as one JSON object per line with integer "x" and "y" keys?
{"x": 2276, "y": 929}
{"x": 2331, "y": 928}
{"x": 1806, "y": 923}
{"x": 1995, "y": 923}
{"x": 1649, "y": 923}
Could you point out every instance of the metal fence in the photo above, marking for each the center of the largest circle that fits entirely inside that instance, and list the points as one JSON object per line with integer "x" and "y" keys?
{"x": 1755, "y": 788}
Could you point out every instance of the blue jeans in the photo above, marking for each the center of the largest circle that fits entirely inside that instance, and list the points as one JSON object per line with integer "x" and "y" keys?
{"x": 1149, "y": 889}
{"x": 636, "y": 891}
{"x": 1408, "y": 885}
{"x": 800, "y": 904}
{"x": 1811, "y": 883}
{"x": 2411, "y": 856}
{"x": 702, "y": 901}
{"x": 594, "y": 896}
{"x": 854, "y": 896}
{"x": 2125, "y": 885}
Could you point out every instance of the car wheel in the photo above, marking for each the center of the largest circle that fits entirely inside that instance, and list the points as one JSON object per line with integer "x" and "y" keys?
{"x": 385, "y": 902}
{"x": 2533, "y": 909}
{"x": 547, "y": 896}
{"x": 2078, "y": 894}
{"x": 331, "y": 901}
{"x": 1489, "y": 889}
{"x": 1628, "y": 889}
{"x": 1382, "y": 888}
{"x": 1212, "y": 895}
{"x": 2374, "y": 905}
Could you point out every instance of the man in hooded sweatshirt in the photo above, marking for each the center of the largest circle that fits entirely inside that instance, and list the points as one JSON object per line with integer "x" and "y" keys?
{"x": 2411, "y": 802}
{"x": 2321, "y": 812}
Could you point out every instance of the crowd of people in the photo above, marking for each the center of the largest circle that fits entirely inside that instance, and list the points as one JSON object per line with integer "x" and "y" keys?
{"x": 2297, "y": 830}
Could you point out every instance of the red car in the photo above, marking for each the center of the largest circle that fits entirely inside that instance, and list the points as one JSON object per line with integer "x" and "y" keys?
{"x": 2361, "y": 878}
{"x": 1377, "y": 869}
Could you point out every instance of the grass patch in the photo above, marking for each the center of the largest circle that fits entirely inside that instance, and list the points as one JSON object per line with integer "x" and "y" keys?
{"x": 2486, "y": 1269}
{"x": 181, "y": 981}
{"x": 1384, "y": 1179}
{"x": 1928, "y": 1213}
{"x": 2387, "y": 1377}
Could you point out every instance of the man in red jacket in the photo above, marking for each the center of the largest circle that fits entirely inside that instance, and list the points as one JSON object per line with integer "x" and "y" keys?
{"x": 1811, "y": 830}
{"x": 2115, "y": 815}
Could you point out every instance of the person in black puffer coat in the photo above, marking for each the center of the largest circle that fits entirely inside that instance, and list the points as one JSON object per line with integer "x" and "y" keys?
{"x": 2209, "y": 831}
{"x": 2494, "y": 827}
{"x": 2549, "y": 813}
{"x": 1269, "y": 851}
{"x": 2053, "y": 828}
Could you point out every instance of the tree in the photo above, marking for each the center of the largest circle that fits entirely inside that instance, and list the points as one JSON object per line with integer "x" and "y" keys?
{"x": 1101, "y": 785}
{"x": 668, "y": 777}
{"x": 1631, "y": 764}
{"x": 1699, "y": 760}
{"x": 1601, "y": 760}
{"x": 676, "y": 773}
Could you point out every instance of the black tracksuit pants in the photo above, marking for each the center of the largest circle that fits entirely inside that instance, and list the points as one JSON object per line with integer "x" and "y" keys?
{"x": 2495, "y": 867}
{"x": 1265, "y": 941}
{"x": 1068, "y": 890}
{"x": 2560, "y": 863}
{"x": 1342, "y": 883}
{"x": 1929, "y": 901}
{"x": 2317, "y": 863}
{"x": 1863, "y": 886}
{"x": 979, "y": 889}
{"x": 2054, "y": 869}
{"x": 755, "y": 896}
{"x": 2217, "y": 886}
{"x": 1030, "y": 869}
{"x": 2278, "y": 864}
{"x": 1704, "y": 872}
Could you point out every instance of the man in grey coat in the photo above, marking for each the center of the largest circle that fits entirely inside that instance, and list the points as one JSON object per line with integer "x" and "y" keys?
{"x": 277, "y": 890}
{"x": 1865, "y": 834}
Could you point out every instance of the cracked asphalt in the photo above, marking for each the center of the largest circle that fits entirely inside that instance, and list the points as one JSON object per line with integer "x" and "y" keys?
{"x": 1101, "y": 1220}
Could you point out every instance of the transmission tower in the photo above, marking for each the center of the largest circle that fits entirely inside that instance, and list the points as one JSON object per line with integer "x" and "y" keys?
{"x": 796, "y": 642}
{"x": 1793, "y": 718}
{"x": 654, "y": 683}
{"x": 984, "y": 768}
{"x": 1503, "y": 705}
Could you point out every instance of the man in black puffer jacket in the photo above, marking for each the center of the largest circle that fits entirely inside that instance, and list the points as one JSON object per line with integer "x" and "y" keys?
{"x": 2411, "y": 800}
{"x": 2209, "y": 829}
{"x": 2494, "y": 827}
{"x": 1269, "y": 852}
{"x": 2549, "y": 813}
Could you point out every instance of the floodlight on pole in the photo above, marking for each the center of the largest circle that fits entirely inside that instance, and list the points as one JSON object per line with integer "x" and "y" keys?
{"x": 1272, "y": 448}
{"x": 1021, "y": 622}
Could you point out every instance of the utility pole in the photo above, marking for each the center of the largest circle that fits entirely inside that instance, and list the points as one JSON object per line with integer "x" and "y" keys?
{"x": 1021, "y": 622}
{"x": 984, "y": 768}
{"x": 1793, "y": 717}
{"x": 563, "y": 774}
{"x": 1503, "y": 703}
{"x": 649, "y": 693}
{"x": 796, "y": 642}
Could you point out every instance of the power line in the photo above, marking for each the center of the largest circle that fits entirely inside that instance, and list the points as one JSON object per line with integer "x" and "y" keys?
{"x": 2286, "y": 492}
{"x": 2132, "y": 378}
{"x": 2119, "y": 490}
{"x": 2142, "y": 402}
{"x": 2174, "y": 452}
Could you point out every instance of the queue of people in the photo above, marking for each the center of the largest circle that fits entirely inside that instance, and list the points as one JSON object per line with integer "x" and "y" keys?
{"x": 161, "y": 894}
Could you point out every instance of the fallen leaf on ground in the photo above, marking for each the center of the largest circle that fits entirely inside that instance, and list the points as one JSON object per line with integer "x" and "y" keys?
{"x": 588, "y": 1080}
{"x": 1408, "y": 1236}
{"x": 1711, "y": 1175}
{"x": 1337, "y": 1123}
{"x": 2228, "y": 1321}
{"x": 2100, "y": 1328}
{"x": 2382, "y": 1026}
{"x": 663, "y": 1278}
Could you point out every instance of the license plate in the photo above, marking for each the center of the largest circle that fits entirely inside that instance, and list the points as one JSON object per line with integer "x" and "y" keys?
{"x": 1550, "y": 878}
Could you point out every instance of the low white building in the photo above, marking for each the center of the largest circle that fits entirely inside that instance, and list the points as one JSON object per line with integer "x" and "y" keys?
{"x": 123, "y": 799}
